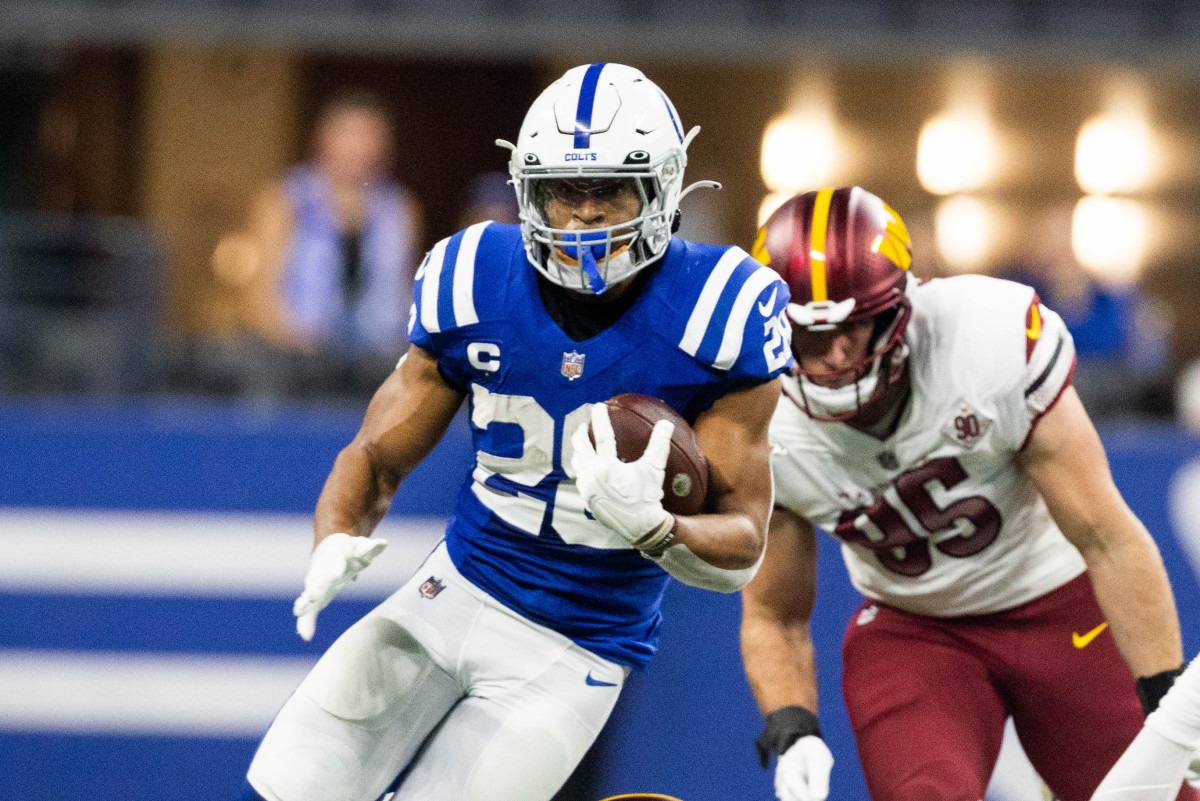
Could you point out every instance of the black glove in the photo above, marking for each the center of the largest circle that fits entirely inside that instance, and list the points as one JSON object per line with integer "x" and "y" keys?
{"x": 785, "y": 726}
{"x": 1151, "y": 689}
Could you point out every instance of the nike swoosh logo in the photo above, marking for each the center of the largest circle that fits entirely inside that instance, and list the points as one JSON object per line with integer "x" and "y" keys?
{"x": 596, "y": 682}
{"x": 765, "y": 308}
{"x": 1082, "y": 640}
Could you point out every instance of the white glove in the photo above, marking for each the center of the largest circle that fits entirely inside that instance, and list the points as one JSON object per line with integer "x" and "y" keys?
{"x": 337, "y": 559}
{"x": 1192, "y": 776}
{"x": 802, "y": 773}
{"x": 625, "y": 496}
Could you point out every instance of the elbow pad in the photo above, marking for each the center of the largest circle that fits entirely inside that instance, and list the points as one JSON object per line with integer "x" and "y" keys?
{"x": 685, "y": 566}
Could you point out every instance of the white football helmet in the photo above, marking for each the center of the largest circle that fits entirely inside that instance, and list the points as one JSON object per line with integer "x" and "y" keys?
{"x": 600, "y": 121}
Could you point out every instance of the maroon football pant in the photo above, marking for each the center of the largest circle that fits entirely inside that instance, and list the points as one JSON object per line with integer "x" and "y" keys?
{"x": 928, "y": 697}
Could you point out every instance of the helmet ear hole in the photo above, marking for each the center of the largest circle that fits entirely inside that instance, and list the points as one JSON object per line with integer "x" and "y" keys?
{"x": 676, "y": 221}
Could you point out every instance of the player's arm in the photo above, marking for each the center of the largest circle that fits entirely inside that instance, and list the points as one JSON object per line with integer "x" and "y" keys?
{"x": 405, "y": 419}
{"x": 776, "y": 606}
{"x": 733, "y": 438}
{"x": 777, "y": 652}
{"x": 1066, "y": 461}
{"x": 722, "y": 549}
{"x": 719, "y": 550}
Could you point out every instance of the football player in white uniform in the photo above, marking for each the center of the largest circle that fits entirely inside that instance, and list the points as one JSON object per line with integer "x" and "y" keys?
{"x": 1157, "y": 761}
{"x": 932, "y": 429}
{"x": 488, "y": 675}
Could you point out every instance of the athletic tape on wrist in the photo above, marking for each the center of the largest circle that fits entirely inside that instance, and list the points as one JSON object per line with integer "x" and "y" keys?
{"x": 1151, "y": 689}
{"x": 783, "y": 728}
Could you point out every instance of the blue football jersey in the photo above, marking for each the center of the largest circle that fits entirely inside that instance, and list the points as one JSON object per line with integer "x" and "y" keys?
{"x": 708, "y": 321}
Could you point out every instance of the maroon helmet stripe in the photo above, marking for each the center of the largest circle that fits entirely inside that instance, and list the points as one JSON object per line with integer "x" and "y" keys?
{"x": 800, "y": 248}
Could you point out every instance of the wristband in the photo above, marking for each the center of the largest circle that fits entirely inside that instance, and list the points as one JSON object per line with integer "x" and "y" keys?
{"x": 1151, "y": 689}
{"x": 654, "y": 542}
{"x": 784, "y": 727}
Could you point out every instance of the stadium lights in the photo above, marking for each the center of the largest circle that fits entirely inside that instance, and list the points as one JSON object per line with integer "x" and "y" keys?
{"x": 799, "y": 151}
{"x": 956, "y": 152}
{"x": 1109, "y": 237}
{"x": 1115, "y": 152}
{"x": 964, "y": 232}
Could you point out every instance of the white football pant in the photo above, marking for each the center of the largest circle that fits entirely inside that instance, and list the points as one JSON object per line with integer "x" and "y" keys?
{"x": 1156, "y": 762}
{"x": 1151, "y": 769}
{"x": 471, "y": 701}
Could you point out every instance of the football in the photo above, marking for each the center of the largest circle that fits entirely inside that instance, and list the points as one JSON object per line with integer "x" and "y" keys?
{"x": 633, "y": 416}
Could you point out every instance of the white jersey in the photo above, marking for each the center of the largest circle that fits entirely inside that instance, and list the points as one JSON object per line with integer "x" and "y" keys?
{"x": 939, "y": 518}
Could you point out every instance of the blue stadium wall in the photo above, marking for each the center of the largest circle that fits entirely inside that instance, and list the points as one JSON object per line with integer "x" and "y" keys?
{"x": 149, "y": 555}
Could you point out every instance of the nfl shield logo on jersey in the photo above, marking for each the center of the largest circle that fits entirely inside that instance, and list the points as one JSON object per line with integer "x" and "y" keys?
{"x": 572, "y": 365}
{"x": 430, "y": 587}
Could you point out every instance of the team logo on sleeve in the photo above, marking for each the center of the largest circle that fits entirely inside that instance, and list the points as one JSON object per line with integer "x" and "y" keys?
{"x": 967, "y": 425}
{"x": 896, "y": 243}
{"x": 431, "y": 586}
{"x": 572, "y": 365}
{"x": 1033, "y": 327}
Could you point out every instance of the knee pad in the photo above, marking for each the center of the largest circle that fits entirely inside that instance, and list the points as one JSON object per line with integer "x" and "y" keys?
{"x": 530, "y": 756}
{"x": 303, "y": 765}
{"x": 369, "y": 673}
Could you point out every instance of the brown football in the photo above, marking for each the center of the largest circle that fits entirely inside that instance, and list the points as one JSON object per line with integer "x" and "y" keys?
{"x": 686, "y": 481}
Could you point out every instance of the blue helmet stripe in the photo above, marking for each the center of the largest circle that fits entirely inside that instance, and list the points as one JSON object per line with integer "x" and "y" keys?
{"x": 583, "y": 113}
{"x": 671, "y": 114}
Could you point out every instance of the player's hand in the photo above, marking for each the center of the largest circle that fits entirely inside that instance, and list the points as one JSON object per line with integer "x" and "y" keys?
{"x": 802, "y": 773}
{"x": 1192, "y": 776}
{"x": 337, "y": 559}
{"x": 625, "y": 496}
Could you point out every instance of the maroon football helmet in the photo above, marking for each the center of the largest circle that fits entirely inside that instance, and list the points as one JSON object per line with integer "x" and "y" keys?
{"x": 845, "y": 255}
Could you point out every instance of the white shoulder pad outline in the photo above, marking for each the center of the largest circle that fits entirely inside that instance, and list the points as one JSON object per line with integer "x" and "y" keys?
{"x": 732, "y": 323}
{"x": 459, "y": 276}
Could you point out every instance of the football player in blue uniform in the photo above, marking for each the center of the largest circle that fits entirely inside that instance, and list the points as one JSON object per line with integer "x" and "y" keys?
{"x": 488, "y": 675}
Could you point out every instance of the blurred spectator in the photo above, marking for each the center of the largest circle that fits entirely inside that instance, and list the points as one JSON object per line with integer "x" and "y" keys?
{"x": 325, "y": 266}
{"x": 1122, "y": 337}
{"x": 489, "y": 197}
{"x": 1187, "y": 397}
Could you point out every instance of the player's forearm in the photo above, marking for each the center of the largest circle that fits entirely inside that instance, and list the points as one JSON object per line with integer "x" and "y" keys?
{"x": 685, "y": 566}
{"x": 780, "y": 663}
{"x": 730, "y": 541}
{"x": 356, "y": 496}
{"x": 1134, "y": 592}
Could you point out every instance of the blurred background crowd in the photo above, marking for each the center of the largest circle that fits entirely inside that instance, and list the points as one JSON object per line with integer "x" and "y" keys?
{"x": 229, "y": 198}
